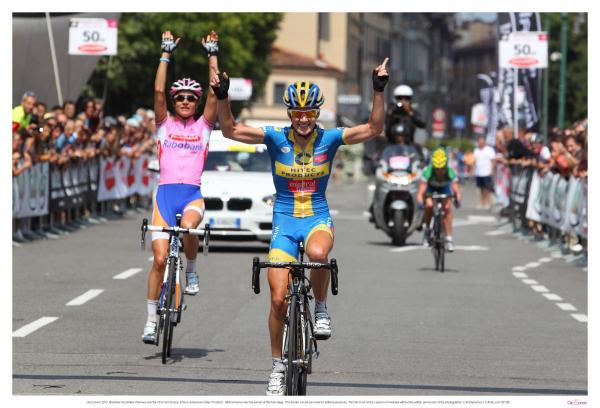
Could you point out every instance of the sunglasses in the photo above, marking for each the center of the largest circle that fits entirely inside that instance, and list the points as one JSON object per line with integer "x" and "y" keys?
{"x": 189, "y": 98}
{"x": 298, "y": 113}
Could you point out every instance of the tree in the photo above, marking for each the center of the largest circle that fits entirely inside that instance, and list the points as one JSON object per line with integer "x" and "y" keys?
{"x": 577, "y": 63}
{"x": 245, "y": 41}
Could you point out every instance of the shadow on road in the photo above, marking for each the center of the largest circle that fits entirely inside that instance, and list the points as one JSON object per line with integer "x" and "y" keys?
{"x": 228, "y": 248}
{"x": 178, "y": 354}
{"x": 432, "y": 269}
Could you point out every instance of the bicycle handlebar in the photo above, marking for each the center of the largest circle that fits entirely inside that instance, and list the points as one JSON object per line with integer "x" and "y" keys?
{"x": 175, "y": 230}
{"x": 257, "y": 266}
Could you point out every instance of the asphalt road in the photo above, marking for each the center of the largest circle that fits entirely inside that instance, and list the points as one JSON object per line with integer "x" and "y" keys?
{"x": 507, "y": 318}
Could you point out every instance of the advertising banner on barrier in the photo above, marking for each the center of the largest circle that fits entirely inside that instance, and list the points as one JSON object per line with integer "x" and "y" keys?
{"x": 502, "y": 185}
{"x": 583, "y": 210}
{"x": 124, "y": 177}
{"x": 111, "y": 186}
{"x": 572, "y": 208}
{"x": 30, "y": 192}
{"x": 534, "y": 203}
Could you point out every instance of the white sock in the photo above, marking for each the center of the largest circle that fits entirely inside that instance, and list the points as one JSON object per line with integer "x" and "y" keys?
{"x": 448, "y": 237}
{"x": 278, "y": 366}
{"x": 320, "y": 306}
{"x": 191, "y": 266}
{"x": 151, "y": 305}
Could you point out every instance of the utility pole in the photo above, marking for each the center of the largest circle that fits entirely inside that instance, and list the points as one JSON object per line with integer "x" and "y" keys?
{"x": 546, "y": 86}
{"x": 563, "y": 69}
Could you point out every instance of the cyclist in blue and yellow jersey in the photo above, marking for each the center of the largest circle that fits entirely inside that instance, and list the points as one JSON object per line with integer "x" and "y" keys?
{"x": 439, "y": 178}
{"x": 301, "y": 156}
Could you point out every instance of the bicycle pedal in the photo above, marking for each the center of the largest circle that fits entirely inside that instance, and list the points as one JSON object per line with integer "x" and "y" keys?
{"x": 183, "y": 307}
{"x": 316, "y": 354}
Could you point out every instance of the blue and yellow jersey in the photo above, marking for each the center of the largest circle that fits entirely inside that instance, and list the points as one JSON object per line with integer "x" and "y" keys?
{"x": 301, "y": 176}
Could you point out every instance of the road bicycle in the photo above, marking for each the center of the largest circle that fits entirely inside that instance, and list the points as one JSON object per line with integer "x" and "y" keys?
{"x": 299, "y": 341}
{"x": 437, "y": 241}
{"x": 170, "y": 302}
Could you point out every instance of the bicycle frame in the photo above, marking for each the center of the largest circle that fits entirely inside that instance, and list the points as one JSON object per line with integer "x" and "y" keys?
{"x": 298, "y": 296}
{"x": 438, "y": 240}
{"x": 170, "y": 303}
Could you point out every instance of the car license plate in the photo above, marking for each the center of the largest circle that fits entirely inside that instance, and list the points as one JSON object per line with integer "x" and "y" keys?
{"x": 225, "y": 222}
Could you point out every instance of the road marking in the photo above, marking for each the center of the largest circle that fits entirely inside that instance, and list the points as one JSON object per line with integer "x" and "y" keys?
{"x": 16, "y": 244}
{"x": 579, "y": 317}
{"x": 482, "y": 218}
{"x": 151, "y": 259}
{"x": 128, "y": 273}
{"x": 556, "y": 254}
{"x": 518, "y": 268}
{"x": 530, "y": 281}
{"x": 33, "y": 326}
{"x": 519, "y": 275}
{"x": 545, "y": 260}
{"x": 539, "y": 288}
{"x": 552, "y": 296}
{"x": 463, "y": 223}
{"x": 457, "y": 247}
{"x": 493, "y": 233}
{"x": 334, "y": 212}
{"x": 80, "y": 300}
{"x": 407, "y": 248}
{"x": 566, "y": 307}
{"x": 532, "y": 265}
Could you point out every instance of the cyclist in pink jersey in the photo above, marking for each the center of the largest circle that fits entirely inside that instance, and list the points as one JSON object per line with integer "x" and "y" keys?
{"x": 182, "y": 148}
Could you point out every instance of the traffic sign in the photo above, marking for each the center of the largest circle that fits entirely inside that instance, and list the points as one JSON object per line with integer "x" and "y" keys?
{"x": 458, "y": 122}
{"x": 524, "y": 49}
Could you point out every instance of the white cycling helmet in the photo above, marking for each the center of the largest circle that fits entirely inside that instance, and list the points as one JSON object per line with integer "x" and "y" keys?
{"x": 403, "y": 90}
{"x": 186, "y": 84}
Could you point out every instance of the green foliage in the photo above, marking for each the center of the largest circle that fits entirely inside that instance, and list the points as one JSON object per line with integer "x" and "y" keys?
{"x": 463, "y": 145}
{"x": 245, "y": 41}
{"x": 577, "y": 63}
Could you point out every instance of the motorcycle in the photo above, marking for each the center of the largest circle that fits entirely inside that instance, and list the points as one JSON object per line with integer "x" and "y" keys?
{"x": 394, "y": 209}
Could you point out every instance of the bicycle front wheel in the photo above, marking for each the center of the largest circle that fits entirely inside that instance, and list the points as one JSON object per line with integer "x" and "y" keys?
{"x": 168, "y": 305}
{"x": 292, "y": 369}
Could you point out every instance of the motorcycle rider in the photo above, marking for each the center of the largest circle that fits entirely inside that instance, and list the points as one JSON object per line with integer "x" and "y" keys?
{"x": 401, "y": 116}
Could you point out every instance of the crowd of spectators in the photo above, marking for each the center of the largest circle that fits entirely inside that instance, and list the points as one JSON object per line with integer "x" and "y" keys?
{"x": 63, "y": 137}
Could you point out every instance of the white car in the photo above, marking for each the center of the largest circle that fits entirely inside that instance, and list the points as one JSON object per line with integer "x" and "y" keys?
{"x": 238, "y": 190}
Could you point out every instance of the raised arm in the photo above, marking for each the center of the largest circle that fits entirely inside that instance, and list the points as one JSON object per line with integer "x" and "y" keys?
{"x": 374, "y": 126}
{"x": 160, "y": 98}
{"x": 211, "y": 45}
{"x": 236, "y": 131}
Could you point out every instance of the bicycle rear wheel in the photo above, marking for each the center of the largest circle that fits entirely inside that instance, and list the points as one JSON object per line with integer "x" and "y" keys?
{"x": 168, "y": 305}
{"x": 292, "y": 370}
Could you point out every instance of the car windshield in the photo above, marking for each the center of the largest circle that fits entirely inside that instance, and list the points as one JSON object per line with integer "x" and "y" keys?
{"x": 238, "y": 161}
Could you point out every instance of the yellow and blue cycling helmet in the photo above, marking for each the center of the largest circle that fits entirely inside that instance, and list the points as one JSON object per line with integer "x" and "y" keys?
{"x": 303, "y": 94}
{"x": 439, "y": 158}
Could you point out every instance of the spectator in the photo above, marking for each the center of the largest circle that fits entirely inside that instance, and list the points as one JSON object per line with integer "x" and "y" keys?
{"x": 69, "y": 109}
{"x": 89, "y": 116}
{"x": 22, "y": 114}
{"x": 485, "y": 160}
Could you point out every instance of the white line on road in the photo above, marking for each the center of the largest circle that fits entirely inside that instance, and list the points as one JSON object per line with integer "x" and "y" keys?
{"x": 579, "y": 317}
{"x": 33, "y": 326}
{"x": 80, "y": 300}
{"x": 533, "y": 265}
{"x": 496, "y": 232}
{"x": 566, "y": 307}
{"x": 518, "y": 268}
{"x": 539, "y": 288}
{"x": 482, "y": 218}
{"x": 519, "y": 275}
{"x": 456, "y": 248}
{"x": 407, "y": 248}
{"x": 334, "y": 212}
{"x": 128, "y": 273}
{"x": 552, "y": 296}
{"x": 530, "y": 281}
{"x": 545, "y": 260}
{"x": 556, "y": 254}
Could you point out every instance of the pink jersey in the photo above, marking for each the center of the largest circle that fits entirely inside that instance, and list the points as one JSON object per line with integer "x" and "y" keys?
{"x": 182, "y": 149}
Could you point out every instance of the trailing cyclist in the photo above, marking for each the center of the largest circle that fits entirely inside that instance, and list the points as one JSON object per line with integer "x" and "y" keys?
{"x": 182, "y": 148}
{"x": 301, "y": 156}
{"x": 439, "y": 178}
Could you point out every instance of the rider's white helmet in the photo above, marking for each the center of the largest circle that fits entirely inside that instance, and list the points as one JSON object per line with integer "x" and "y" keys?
{"x": 403, "y": 90}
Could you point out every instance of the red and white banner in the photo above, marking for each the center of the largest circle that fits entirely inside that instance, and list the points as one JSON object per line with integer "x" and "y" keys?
{"x": 123, "y": 177}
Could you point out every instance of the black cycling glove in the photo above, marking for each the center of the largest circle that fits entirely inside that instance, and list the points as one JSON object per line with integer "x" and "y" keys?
{"x": 379, "y": 82}
{"x": 223, "y": 87}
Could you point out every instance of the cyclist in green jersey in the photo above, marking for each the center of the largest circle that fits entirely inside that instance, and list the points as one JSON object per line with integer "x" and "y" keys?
{"x": 439, "y": 178}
